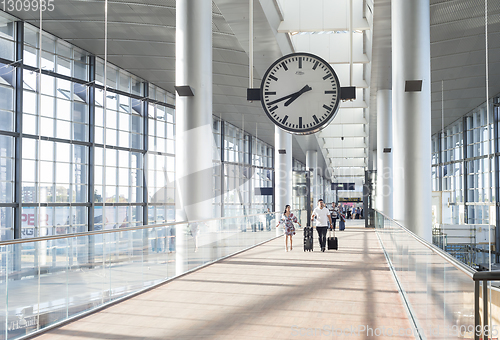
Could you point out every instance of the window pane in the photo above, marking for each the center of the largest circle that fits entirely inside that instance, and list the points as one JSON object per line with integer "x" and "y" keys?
{"x": 6, "y": 39}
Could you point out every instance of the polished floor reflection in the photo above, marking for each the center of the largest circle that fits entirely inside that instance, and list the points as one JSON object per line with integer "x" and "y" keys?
{"x": 265, "y": 293}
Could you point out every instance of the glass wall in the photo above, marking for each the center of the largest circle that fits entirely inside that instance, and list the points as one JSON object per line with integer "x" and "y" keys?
{"x": 88, "y": 159}
{"x": 463, "y": 164}
{"x": 242, "y": 163}
{"x": 262, "y": 161}
{"x": 7, "y": 142}
{"x": 298, "y": 165}
{"x": 328, "y": 193}
{"x": 160, "y": 158}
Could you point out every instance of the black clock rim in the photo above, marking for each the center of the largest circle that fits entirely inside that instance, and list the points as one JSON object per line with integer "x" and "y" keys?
{"x": 310, "y": 130}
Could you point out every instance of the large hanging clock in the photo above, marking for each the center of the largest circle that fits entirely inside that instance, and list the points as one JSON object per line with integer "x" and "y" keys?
{"x": 300, "y": 93}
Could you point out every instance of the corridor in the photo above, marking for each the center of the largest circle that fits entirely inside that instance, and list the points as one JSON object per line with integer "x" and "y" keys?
{"x": 265, "y": 293}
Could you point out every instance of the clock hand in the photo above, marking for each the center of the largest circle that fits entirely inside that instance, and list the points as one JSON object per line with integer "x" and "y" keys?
{"x": 289, "y": 96}
{"x": 296, "y": 95}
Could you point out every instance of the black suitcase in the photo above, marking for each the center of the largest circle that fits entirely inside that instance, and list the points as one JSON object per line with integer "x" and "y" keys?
{"x": 332, "y": 243}
{"x": 308, "y": 239}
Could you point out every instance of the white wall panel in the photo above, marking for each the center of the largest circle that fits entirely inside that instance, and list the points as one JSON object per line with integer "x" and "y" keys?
{"x": 357, "y": 45}
{"x": 339, "y": 130}
{"x": 349, "y": 116}
{"x": 321, "y": 15}
{"x": 333, "y": 47}
{"x": 336, "y": 153}
{"x": 342, "y": 71}
{"x": 339, "y": 47}
{"x": 319, "y": 44}
{"x": 311, "y": 17}
{"x": 348, "y": 142}
{"x": 354, "y": 171}
{"x": 359, "y": 22}
{"x": 356, "y": 180}
{"x": 342, "y": 162}
{"x": 291, "y": 14}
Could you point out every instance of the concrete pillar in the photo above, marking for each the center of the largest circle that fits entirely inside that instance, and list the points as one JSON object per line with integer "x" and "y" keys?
{"x": 384, "y": 152}
{"x": 312, "y": 163}
{"x": 194, "y": 137}
{"x": 411, "y": 115}
{"x": 283, "y": 171}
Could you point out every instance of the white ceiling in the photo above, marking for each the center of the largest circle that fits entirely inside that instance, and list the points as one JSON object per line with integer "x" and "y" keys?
{"x": 141, "y": 39}
{"x": 322, "y": 27}
{"x": 458, "y": 57}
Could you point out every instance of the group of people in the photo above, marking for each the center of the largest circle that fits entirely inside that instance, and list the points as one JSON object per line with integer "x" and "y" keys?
{"x": 354, "y": 213}
{"x": 324, "y": 218}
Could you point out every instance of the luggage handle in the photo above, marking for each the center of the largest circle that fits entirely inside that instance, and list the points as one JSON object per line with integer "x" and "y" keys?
{"x": 331, "y": 229}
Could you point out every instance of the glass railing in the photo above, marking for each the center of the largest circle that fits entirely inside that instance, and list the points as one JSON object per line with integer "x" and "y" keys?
{"x": 47, "y": 281}
{"x": 438, "y": 289}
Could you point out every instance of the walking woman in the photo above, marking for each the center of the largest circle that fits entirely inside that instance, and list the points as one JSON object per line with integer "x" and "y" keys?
{"x": 287, "y": 221}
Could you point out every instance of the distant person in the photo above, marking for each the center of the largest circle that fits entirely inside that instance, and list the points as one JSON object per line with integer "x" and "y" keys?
{"x": 322, "y": 216}
{"x": 171, "y": 239}
{"x": 341, "y": 221}
{"x": 194, "y": 230}
{"x": 269, "y": 218}
{"x": 334, "y": 212}
{"x": 287, "y": 221}
{"x": 358, "y": 212}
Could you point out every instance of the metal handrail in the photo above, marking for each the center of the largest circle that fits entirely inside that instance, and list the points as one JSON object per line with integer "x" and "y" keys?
{"x": 454, "y": 262}
{"x": 487, "y": 276}
{"x": 476, "y": 276}
{"x": 149, "y": 226}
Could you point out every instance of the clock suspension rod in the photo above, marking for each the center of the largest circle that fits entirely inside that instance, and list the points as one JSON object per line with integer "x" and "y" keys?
{"x": 350, "y": 43}
{"x": 250, "y": 43}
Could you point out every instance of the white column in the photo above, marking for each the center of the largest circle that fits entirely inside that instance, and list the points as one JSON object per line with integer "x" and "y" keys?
{"x": 283, "y": 171}
{"x": 312, "y": 163}
{"x": 411, "y": 115}
{"x": 384, "y": 152}
{"x": 194, "y": 137}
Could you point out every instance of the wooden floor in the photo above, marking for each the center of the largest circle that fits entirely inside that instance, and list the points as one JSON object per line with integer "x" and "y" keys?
{"x": 265, "y": 293}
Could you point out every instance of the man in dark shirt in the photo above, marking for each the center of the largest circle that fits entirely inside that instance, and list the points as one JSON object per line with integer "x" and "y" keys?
{"x": 334, "y": 213}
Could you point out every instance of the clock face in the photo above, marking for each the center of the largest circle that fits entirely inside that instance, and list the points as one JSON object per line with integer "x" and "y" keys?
{"x": 300, "y": 93}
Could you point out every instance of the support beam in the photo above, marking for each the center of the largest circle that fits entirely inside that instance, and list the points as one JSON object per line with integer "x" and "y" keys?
{"x": 412, "y": 115}
{"x": 496, "y": 113}
{"x": 91, "y": 167}
{"x": 18, "y": 190}
{"x": 144, "y": 161}
{"x": 283, "y": 170}
{"x": 312, "y": 166}
{"x": 384, "y": 152}
{"x": 194, "y": 137}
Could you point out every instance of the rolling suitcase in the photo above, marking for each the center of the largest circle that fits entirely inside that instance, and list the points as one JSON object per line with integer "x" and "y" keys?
{"x": 308, "y": 239}
{"x": 342, "y": 224}
{"x": 332, "y": 242}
